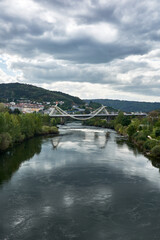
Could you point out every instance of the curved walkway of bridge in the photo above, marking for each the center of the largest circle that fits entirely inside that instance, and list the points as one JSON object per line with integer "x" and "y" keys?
{"x": 99, "y": 112}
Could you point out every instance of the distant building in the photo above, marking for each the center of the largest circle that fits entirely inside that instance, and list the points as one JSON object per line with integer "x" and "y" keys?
{"x": 61, "y": 102}
{"x": 75, "y": 107}
{"x": 12, "y": 103}
{"x": 25, "y": 107}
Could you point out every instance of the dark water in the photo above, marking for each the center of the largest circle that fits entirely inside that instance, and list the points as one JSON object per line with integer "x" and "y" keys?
{"x": 80, "y": 185}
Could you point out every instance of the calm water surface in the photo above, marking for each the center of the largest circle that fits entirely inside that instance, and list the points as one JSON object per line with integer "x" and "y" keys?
{"x": 79, "y": 185}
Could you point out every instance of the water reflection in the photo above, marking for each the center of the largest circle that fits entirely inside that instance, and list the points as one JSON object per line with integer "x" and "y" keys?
{"x": 92, "y": 187}
{"x": 55, "y": 141}
{"x": 101, "y": 139}
{"x": 11, "y": 160}
{"x": 123, "y": 143}
{"x": 96, "y": 137}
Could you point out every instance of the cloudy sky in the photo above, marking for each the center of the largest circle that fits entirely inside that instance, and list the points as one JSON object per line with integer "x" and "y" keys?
{"x": 88, "y": 48}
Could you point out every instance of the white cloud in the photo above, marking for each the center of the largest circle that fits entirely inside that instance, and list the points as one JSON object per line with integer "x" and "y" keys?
{"x": 101, "y": 32}
{"x": 5, "y": 78}
{"x": 25, "y": 9}
{"x": 92, "y": 91}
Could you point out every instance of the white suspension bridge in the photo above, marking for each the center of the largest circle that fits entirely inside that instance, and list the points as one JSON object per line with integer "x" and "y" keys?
{"x": 57, "y": 112}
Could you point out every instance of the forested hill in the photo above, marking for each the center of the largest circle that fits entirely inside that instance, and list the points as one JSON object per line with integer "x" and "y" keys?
{"x": 128, "y": 106}
{"x": 15, "y": 91}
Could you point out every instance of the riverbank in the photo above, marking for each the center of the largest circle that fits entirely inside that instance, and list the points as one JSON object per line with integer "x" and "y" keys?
{"x": 142, "y": 133}
{"x": 16, "y": 128}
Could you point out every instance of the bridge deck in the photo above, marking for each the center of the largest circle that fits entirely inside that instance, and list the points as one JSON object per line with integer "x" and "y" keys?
{"x": 98, "y": 115}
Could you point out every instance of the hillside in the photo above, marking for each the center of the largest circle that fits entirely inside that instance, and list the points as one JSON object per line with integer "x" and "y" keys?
{"x": 15, "y": 91}
{"x": 128, "y": 106}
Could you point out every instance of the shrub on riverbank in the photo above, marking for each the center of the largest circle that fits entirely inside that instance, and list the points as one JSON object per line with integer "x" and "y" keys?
{"x": 49, "y": 130}
{"x": 149, "y": 144}
{"x": 16, "y": 128}
{"x": 5, "y": 141}
{"x": 143, "y": 132}
{"x": 155, "y": 151}
{"x": 98, "y": 122}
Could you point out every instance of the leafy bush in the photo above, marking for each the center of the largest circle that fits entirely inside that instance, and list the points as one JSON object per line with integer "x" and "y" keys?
{"x": 149, "y": 144}
{"x": 5, "y": 141}
{"x": 157, "y": 132}
{"x": 131, "y": 130}
{"x": 45, "y": 129}
{"x": 155, "y": 151}
{"x": 122, "y": 119}
{"x": 141, "y": 136}
{"x": 53, "y": 130}
{"x": 140, "y": 144}
{"x": 17, "y": 127}
{"x": 117, "y": 127}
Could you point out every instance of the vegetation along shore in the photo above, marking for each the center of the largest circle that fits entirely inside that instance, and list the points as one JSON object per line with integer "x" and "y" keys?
{"x": 15, "y": 128}
{"x": 142, "y": 132}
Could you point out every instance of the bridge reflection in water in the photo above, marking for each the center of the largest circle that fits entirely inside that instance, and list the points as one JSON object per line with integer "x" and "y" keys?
{"x": 100, "y": 139}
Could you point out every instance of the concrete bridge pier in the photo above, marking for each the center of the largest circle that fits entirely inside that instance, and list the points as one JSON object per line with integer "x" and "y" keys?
{"x": 108, "y": 118}
{"x": 62, "y": 121}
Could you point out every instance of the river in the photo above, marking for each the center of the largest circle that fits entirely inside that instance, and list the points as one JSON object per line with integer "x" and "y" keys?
{"x": 79, "y": 185}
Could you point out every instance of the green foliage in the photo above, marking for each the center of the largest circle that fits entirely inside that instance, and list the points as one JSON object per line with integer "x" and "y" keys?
{"x": 122, "y": 119}
{"x": 149, "y": 144}
{"x": 48, "y": 130}
{"x": 136, "y": 122}
{"x": 144, "y": 133}
{"x": 141, "y": 136}
{"x": 46, "y": 119}
{"x": 45, "y": 129}
{"x": 2, "y": 108}
{"x": 118, "y": 127}
{"x": 97, "y": 122}
{"x": 2, "y": 123}
{"x": 155, "y": 151}
{"x": 158, "y": 123}
{"x": 53, "y": 122}
{"x": 131, "y": 130}
{"x": 94, "y": 105}
{"x": 15, "y": 128}
{"x": 5, "y": 141}
{"x": 122, "y": 130}
{"x": 157, "y": 132}
{"x": 15, "y": 111}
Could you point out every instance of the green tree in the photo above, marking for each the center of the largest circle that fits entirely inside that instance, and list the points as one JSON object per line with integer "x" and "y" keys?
{"x": 157, "y": 132}
{"x": 5, "y": 141}
{"x": 155, "y": 151}
{"x": 2, "y": 123}
{"x": 2, "y": 108}
{"x": 122, "y": 119}
{"x": 131, "y": 130}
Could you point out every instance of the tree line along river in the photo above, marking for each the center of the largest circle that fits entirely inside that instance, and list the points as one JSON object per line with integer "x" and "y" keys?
{"x": 83, "y": 184}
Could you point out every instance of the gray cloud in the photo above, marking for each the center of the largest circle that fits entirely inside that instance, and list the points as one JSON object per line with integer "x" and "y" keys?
{"x": 78, "y": 48}
{"x": 105, "y": 42}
